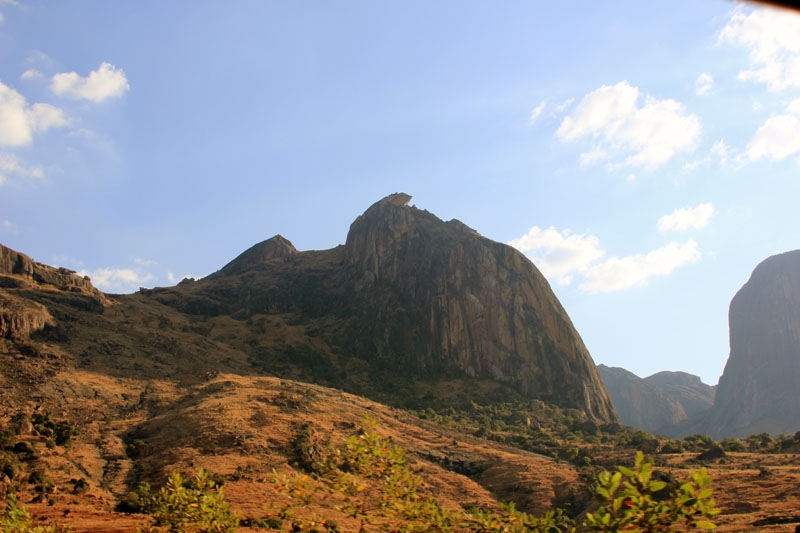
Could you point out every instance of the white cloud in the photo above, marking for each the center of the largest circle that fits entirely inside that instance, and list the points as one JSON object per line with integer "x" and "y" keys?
{"x": 618, "y": 273}
{"x": 779, "y": 137}
{"x": 537, "y": 111}
{"x": 565, "y": 104}
{"x": 773, "y": 38}
{"x": 18, "y": 121}
{"x": 646, "y": 136}
{"x": 703, "y": 84}
{"x": 9, "y": 227}
{"x": 11, "y": 165}
{"x": 31, "y": 74}
{"x": 687, "y": 218}
{"x": 722, "y": 150}
{"x": 101, "y": 84}
{"x": 559, "y": 254}
{"x": 122, "y": 280}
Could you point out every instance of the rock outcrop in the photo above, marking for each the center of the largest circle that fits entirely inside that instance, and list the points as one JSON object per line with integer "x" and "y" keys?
{"x": 14, "y": 264}
{"x": 443, "y": 296}
{"x": 410, "y": 295}
{"x": 758, "y": 391}
{"x": 19, "y": 316}
{"x": 275, "y": 248}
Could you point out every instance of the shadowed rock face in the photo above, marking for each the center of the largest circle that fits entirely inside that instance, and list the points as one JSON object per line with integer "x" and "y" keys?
{"x": 758, "y": 391}
{"x": 436, "y": 294}
{"x": 414, "y": 296}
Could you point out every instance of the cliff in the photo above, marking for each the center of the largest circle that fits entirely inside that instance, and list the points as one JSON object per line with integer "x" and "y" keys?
{"x": 758, "y": 389}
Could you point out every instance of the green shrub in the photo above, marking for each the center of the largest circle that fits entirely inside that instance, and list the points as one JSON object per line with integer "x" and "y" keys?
{"x": 371, "y": 483}
{"x": 16, "y": 519}
{"x": 196, "y": 506}
{"x": 631, "y": 504}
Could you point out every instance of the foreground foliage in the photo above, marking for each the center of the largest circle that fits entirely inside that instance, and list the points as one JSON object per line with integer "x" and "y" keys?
{"x": 196, "y": 506}
{"x": 374, "y": 488}
{"x": 16, "y": 519}
{"x": 633, "y": 501}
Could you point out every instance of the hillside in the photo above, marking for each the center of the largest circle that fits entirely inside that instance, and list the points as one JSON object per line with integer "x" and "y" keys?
{"x": 229, "y": 373}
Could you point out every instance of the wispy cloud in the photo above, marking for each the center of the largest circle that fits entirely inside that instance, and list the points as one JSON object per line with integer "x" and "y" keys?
{"x": 773, "y": 39}
{"x": 11, "y": 165}
{"x": 618, "y": 273}
{"x": 7, "y": 3}
{"x": 703, "y": 84}
{"x": 31, "y": 74}
{"x": 9, "y": 227}
{"x": 641, "y": 135}
{"x": 102, "y": 84}
{"x": 537, "y": 111}
{"x": 687, "y": 218}
{"x": 779, "y": 137}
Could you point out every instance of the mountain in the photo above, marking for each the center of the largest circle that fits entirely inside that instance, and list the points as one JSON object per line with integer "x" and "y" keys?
{"x": 638, "y": 403}
{"x": 694, "y": 396}
{"x": 406, "y": 302}
{"x": 758, "y": 391}
{"x": 412, "y": 311}
{"x": 224, "y": 371}
{"x": 662, "y": 403}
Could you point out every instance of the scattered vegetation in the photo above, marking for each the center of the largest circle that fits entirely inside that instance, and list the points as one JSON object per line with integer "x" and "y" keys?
{"x": 634, "y": 501}
{"x": 15, "y": 518}
{"x": 191, "y": 506}
{"x": 374, "y": 487}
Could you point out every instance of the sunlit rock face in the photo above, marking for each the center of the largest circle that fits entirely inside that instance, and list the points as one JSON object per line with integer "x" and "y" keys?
{"x": 20, "y": 317}
{"x": 758, "y": 391}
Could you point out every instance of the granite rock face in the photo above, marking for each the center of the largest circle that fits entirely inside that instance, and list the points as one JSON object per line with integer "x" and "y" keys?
{"x": 275, "y": 248}
{"x": 444, "y": 296}
{"x": 411, "y": 295}
{"x": 758, "y": 391}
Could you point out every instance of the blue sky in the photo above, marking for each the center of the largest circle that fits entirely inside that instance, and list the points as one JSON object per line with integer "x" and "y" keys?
{"x": 643, "y": 154}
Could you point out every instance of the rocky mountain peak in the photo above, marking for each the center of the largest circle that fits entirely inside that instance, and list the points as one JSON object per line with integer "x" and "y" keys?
{"x": 277, "y": 247}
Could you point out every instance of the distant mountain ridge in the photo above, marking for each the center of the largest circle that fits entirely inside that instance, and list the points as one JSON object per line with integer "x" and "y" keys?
{"x": 660, "y": 403}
